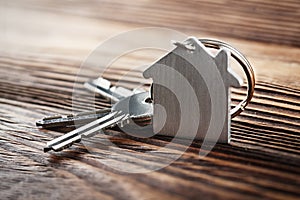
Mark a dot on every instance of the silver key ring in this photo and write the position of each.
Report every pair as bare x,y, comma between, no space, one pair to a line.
241,59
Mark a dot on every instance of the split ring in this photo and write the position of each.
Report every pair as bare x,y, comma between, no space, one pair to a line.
241,59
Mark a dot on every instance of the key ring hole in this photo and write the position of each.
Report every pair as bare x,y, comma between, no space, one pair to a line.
149,100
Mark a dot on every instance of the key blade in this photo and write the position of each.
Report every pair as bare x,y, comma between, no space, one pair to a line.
71,120
103,87
68,143
104,125
102,91
73,134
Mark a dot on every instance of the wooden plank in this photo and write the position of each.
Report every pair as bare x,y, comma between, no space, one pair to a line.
271,151
42,48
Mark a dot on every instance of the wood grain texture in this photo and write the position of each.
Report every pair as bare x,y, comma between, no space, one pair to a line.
42,46
267,21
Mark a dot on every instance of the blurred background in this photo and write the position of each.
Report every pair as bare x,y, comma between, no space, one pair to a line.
72,29
73,23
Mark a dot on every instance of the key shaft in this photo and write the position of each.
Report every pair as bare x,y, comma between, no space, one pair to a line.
71,120
87,130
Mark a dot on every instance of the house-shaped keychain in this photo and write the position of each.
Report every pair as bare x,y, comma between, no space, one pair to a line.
190,70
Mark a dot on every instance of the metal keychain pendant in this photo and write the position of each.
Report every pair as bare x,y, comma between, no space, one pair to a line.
190,70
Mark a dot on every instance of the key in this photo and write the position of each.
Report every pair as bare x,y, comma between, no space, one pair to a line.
103,87
136,106
59,121
100,86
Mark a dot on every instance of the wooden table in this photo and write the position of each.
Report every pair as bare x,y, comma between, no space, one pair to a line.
42,45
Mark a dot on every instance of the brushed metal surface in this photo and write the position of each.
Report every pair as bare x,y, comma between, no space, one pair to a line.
190,63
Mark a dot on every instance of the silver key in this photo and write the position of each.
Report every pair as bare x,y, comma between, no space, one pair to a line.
100,86
135,106
103,87
60,121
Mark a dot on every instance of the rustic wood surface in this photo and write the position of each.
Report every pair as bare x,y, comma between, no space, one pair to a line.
42,45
